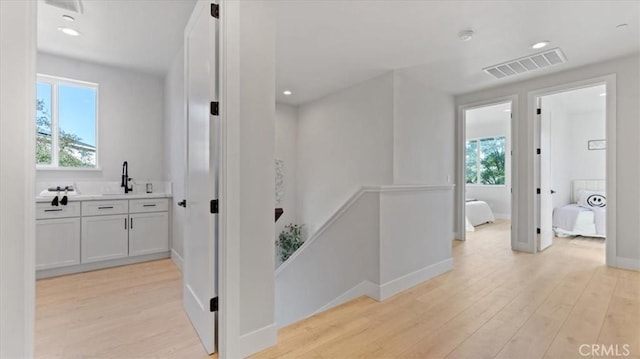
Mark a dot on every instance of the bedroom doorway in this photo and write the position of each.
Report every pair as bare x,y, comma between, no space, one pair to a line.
571,167
487,172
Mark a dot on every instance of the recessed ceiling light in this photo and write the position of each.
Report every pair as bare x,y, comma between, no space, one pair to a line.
603,94
287,92
68,18
466,35
507,110
539,45
69,31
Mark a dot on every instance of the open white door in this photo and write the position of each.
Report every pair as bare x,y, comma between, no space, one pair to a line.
545,223
200,261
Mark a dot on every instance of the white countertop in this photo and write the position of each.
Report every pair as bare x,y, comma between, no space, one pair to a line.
94,197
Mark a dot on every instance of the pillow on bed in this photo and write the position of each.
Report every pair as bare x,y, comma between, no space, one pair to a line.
592,199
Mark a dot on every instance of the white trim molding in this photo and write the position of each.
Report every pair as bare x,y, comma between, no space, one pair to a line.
395,286
177,259
257,340
460,198
609,81
628,263
18,31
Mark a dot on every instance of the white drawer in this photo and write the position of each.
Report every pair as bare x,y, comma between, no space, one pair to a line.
46,210
99,208
148,205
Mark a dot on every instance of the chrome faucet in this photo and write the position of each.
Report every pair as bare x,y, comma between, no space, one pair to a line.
125,178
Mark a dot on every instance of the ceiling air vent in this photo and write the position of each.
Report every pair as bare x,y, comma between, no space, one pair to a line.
525,64
69,5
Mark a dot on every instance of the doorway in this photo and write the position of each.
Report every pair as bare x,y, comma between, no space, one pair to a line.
487,205
571,167
110,287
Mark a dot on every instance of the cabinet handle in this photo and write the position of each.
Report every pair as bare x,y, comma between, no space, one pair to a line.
106,207
125,223
131,226
53,210
148,205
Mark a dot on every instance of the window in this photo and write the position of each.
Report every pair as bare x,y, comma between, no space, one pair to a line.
485,161
66,123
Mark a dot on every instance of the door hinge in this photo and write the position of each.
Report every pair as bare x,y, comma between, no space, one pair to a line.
539,111
214,206
214,108
215,10
537,151
213,304
537,190
538,230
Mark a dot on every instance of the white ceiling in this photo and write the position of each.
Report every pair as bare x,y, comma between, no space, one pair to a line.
325,46
579,101
143,35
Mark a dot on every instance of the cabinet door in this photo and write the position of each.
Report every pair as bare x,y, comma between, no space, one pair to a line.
148,233
57,242
104,238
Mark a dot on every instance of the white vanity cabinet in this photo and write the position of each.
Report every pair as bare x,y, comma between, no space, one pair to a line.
105,230
94,234
57,235
148,226
104,238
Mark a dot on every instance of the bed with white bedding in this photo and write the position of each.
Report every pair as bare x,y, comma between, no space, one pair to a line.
586,215
478,212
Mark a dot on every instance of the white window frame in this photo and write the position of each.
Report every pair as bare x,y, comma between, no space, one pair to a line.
55,81
478,183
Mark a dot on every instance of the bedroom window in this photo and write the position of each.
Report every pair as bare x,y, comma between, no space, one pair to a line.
66,123
485,161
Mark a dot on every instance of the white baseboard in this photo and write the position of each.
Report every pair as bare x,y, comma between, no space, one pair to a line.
85,267
389,289
407,281
176,258
502,215
258,340
522,247
628,263
364,288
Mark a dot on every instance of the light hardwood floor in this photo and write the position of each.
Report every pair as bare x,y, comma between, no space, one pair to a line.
125,312
494,303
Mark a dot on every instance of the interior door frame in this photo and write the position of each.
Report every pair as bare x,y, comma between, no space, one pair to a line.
229,185
461,132
610,82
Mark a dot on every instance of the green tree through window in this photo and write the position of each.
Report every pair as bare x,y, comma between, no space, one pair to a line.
485,161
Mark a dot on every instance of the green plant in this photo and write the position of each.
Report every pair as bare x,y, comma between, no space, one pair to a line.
289,240
69,154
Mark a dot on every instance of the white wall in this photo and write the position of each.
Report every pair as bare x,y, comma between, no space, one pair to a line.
17,161
175,152
627,148
286,150
478,125
587,164
423,125
345,141
383,240
130,119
